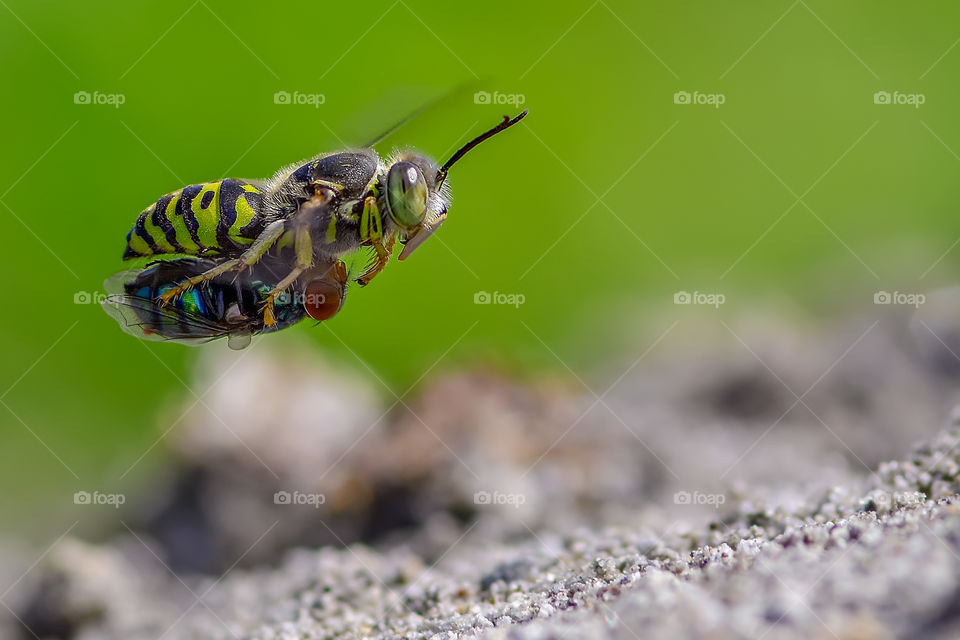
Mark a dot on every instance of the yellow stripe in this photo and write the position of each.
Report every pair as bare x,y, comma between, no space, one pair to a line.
157,234
139,245
245,214
180,226
207,219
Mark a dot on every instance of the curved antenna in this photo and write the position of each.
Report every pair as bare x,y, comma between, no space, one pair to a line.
506,124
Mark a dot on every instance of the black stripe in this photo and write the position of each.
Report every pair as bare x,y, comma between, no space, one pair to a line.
187,195
230,190
159,218
141,231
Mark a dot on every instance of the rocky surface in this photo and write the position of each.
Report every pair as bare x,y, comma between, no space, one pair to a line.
765,489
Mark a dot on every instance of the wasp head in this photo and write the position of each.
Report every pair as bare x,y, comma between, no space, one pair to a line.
417,194
415,201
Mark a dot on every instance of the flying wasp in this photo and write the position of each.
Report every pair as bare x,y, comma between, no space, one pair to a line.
308,216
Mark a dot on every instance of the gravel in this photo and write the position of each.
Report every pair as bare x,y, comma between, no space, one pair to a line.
722,500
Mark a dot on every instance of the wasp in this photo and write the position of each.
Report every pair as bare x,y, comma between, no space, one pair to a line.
223,306
308,216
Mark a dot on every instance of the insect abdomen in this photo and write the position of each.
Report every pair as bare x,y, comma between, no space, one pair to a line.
220,217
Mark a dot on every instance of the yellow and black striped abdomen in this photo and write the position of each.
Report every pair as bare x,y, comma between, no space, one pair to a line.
222,217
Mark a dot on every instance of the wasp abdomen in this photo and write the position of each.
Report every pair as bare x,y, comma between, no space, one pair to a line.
210,218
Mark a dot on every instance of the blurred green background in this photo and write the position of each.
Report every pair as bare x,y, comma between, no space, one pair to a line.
799,187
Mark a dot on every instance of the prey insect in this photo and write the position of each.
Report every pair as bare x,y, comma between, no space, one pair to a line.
224,306
308,216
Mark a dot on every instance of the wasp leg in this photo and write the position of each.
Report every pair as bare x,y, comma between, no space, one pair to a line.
371,231
383,256
250,257
303,246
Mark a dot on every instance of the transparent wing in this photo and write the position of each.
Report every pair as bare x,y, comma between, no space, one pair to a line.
145,319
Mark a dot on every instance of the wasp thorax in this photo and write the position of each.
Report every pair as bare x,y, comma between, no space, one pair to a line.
407,194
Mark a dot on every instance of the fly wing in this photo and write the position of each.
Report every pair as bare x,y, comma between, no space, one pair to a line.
146,319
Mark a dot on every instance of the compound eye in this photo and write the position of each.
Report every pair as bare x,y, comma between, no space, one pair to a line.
407,194
322,299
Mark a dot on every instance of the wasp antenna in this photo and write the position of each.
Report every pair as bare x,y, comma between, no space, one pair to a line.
506,124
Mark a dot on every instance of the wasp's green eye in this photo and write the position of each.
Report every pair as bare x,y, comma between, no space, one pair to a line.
406,194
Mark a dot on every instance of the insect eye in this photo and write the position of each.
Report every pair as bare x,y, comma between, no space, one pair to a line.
322,299
406,194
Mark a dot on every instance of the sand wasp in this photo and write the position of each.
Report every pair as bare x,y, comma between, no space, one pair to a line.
233,254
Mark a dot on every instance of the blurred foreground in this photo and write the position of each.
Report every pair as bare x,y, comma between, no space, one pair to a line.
743,490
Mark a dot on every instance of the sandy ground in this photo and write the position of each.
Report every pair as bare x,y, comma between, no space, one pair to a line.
796,483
